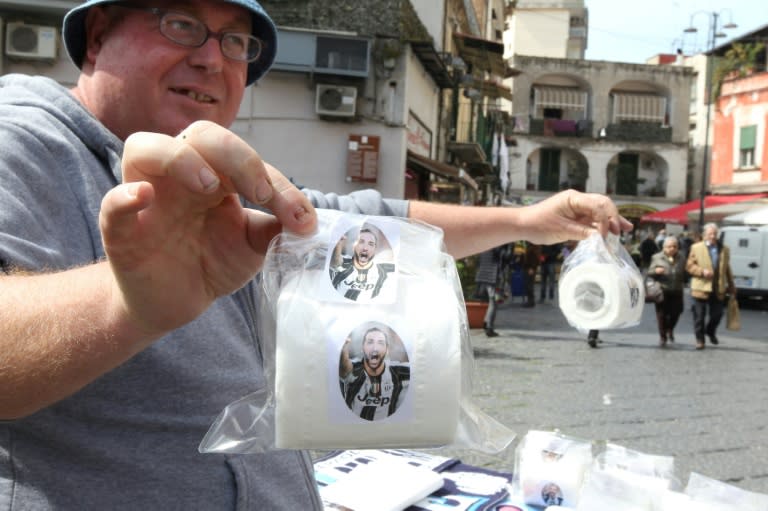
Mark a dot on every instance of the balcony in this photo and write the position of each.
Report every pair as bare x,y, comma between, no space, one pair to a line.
561,128
638,131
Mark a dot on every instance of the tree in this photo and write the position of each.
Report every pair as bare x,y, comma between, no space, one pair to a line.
739,61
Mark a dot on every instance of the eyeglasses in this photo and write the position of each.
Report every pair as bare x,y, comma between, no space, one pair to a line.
189,31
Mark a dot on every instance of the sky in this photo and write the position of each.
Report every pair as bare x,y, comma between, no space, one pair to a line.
634,30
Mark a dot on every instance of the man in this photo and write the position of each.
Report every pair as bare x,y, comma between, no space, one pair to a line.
709,264
550,255
128,313
531,260
358,278
373,387
648,247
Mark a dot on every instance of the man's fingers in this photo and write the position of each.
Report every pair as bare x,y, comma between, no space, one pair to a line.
250,176
157,156
120,208
601,211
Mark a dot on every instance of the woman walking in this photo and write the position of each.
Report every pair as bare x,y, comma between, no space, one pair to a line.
668,267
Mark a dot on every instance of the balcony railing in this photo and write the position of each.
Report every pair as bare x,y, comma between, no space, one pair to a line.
561,128
638,131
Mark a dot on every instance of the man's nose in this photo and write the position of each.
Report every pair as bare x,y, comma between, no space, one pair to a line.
208,56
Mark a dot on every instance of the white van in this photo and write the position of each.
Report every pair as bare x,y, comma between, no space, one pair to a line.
749,258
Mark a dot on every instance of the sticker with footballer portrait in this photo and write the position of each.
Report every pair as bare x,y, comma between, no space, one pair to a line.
362,260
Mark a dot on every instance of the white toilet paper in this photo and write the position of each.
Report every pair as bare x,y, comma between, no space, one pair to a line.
596,296
310,410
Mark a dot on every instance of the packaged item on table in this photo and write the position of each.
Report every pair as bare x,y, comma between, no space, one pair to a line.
550,468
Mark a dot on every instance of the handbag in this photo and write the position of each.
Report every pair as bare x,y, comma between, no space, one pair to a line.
732,315
653,291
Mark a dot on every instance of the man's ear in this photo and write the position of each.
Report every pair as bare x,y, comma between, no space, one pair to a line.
97,24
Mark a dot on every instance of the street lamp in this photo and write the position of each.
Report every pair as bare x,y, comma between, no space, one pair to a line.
715,32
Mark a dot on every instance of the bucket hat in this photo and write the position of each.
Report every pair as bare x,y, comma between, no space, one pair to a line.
73,32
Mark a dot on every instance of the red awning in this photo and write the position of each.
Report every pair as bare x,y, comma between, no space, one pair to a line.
679,214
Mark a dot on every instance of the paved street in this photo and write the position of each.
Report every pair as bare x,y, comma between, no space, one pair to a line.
708,409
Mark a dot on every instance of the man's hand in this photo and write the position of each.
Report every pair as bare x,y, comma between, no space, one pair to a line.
175,232
571,215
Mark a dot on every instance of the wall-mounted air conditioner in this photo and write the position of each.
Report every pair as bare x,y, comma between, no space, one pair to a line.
30,41
335,100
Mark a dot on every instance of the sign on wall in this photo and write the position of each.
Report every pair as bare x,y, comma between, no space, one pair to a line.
419,138
363,158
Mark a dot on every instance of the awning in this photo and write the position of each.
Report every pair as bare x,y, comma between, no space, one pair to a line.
560,97
679,214
422,163
483,54
491,89
732,210
756,216
639,107
433,62
469,152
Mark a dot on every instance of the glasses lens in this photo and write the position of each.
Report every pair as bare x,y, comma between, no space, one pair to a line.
183,29
241,47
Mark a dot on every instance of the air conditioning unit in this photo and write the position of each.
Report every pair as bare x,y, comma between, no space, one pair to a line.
30,41
335,100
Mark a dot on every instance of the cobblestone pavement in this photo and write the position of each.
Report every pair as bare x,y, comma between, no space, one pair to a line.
708,409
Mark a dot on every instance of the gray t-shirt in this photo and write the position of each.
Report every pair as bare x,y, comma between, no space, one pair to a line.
129,439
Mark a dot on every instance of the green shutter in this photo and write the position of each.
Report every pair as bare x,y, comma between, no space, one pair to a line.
748,137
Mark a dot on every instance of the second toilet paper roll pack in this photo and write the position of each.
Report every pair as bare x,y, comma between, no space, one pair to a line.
600,287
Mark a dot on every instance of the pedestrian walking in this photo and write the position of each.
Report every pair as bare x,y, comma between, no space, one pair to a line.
550,256
531,261
709,264
592,338
648,247
668,268
489,266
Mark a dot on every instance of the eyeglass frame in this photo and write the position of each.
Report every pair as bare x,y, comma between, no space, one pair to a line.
161,13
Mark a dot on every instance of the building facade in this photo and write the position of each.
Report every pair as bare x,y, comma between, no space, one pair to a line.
607,127
740,118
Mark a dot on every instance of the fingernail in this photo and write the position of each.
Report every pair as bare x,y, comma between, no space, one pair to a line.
208,179
132,189
302,215
263,190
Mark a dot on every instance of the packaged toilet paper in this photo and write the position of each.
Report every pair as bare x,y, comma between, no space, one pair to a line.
600,286
550,468
365,343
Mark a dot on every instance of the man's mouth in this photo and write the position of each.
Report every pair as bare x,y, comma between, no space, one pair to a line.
195,96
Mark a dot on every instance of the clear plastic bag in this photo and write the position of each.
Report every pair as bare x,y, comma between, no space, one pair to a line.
621,478
550,468
600,286
708,494
365,343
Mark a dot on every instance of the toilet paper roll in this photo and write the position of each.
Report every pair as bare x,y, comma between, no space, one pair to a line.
596,296
310,409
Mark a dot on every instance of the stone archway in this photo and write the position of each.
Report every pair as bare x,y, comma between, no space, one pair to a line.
552,168
637,173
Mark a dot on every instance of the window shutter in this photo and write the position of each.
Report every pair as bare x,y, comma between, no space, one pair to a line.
748,137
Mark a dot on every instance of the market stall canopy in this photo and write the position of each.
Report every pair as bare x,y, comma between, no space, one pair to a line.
756,216
679,214
719,213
